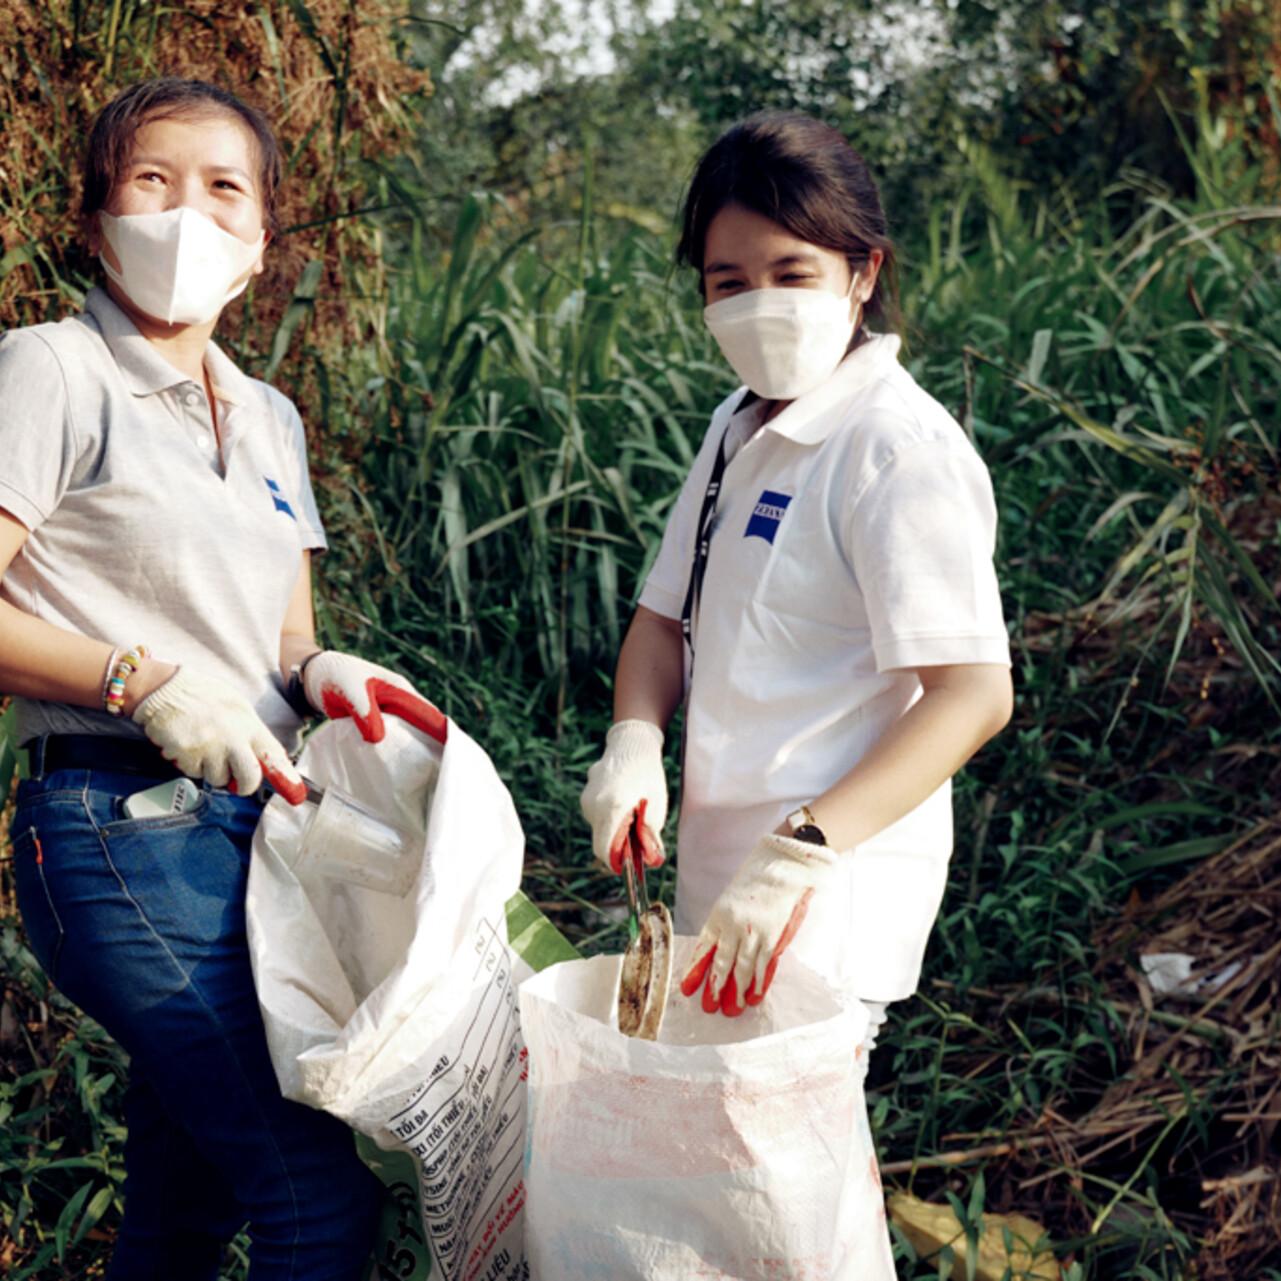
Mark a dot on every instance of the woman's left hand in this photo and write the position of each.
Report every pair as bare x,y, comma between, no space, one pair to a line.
344,685
754,920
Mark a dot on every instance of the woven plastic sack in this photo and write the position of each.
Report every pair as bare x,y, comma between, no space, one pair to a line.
398,1014
729,1148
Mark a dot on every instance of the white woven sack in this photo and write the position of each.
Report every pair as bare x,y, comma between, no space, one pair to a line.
730,1148
399,1014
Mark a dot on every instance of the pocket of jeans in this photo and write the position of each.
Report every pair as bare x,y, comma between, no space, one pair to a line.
185,872
39,913
121,824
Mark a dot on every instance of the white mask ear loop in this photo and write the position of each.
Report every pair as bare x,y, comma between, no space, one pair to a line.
856,275
857,335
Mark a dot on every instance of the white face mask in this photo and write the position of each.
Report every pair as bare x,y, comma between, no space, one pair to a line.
177,266
782,342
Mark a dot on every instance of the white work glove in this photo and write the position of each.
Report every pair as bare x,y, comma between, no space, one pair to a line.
754,920
210,731
627,783
344,685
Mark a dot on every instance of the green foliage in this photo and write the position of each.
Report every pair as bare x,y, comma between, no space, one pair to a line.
1123,386
1064,95
8,755
1160,345
61,1166
535,425
496,469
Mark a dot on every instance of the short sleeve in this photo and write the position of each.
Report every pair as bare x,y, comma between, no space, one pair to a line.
921,535
668,579
311,532
37,440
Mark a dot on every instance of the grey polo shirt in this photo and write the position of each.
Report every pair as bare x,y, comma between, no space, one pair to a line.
140,531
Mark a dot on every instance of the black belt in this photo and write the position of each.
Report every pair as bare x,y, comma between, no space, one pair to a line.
100,752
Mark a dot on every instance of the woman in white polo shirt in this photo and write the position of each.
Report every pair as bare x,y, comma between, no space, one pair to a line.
156,523
824,600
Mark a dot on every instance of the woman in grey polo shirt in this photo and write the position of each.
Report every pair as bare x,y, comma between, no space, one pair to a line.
156,524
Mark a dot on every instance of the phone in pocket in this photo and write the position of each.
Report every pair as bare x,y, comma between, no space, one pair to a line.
163,800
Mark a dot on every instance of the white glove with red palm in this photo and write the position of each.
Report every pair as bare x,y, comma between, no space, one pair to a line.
628,781
754,920
344,685
210,731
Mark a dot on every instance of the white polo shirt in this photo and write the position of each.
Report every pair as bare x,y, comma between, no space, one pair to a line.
853,542
140,532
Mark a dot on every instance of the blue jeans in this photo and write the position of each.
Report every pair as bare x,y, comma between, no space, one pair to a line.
141,923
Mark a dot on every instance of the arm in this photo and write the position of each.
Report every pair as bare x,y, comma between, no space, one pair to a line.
206,729
40,660
298,632
962,707
649,680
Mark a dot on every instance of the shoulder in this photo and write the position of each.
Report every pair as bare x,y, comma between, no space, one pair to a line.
276,407
27,354
895,418
897,412
55,347
721,416
278,404
55,373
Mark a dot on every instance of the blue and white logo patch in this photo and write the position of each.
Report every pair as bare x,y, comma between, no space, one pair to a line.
766,515
278,498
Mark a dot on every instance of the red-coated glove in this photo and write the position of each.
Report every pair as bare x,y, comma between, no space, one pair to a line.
344,685
627,785
754,920
295,792
210,731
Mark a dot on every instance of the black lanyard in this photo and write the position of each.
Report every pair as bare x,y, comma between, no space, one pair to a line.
707,516
702,545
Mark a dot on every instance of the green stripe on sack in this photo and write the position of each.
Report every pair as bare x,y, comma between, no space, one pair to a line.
533,937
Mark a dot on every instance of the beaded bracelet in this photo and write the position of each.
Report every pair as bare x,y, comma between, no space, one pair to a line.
107,674
129,663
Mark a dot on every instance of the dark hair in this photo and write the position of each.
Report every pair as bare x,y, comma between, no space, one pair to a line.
803,175
111,138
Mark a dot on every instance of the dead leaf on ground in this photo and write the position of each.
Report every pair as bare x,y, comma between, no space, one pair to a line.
1010,1245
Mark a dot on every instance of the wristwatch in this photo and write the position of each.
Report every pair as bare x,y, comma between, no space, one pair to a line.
295,693
805,828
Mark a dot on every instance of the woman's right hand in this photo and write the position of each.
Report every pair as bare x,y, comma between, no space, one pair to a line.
210,731
627,782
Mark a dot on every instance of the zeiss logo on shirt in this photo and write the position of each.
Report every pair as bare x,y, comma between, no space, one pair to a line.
279,499
766,515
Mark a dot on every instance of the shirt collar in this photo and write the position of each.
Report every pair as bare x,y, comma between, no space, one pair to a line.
807,420
228,383
145,370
